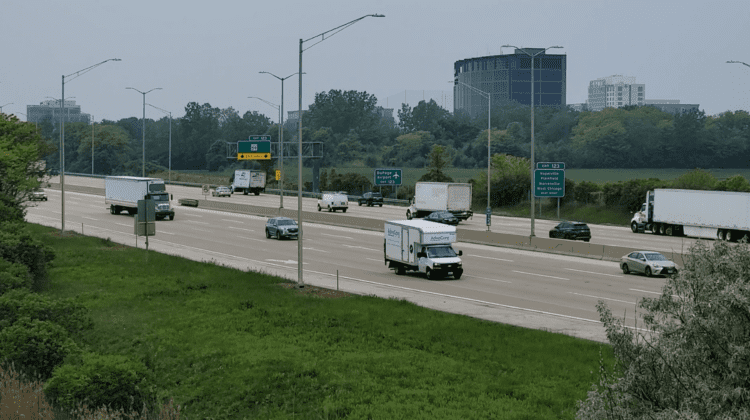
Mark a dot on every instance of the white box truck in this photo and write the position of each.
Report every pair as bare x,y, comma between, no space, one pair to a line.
123,192
423,246
247,181
441,196
703,214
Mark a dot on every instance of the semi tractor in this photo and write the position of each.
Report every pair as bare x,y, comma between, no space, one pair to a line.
703,214
421,246
123,192
247,181
441,196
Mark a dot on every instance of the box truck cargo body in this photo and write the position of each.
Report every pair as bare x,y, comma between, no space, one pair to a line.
423,246
246,181
441,196
703,214
123,192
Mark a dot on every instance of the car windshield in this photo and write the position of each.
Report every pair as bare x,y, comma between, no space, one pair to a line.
286,222
655,256
441,252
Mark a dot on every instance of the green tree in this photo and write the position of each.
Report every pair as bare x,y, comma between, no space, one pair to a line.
438,159
734,183
694,362
111,150
199,128
696,179
426,116
411,149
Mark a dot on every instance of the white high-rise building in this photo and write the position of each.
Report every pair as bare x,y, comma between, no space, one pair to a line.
615,91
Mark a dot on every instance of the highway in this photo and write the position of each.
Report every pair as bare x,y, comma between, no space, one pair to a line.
530,289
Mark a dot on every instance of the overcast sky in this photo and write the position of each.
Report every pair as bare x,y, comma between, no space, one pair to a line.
211,52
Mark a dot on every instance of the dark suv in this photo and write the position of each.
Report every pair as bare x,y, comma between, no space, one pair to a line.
571,230
371,199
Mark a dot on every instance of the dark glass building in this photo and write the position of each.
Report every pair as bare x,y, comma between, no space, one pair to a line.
508,78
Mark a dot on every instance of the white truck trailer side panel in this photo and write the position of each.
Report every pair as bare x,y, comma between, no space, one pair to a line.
431,196
125,190
714,209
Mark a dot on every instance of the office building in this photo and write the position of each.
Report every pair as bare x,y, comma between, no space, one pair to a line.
614,92
50,110
507,78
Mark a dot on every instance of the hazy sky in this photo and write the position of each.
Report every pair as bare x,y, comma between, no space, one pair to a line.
211,52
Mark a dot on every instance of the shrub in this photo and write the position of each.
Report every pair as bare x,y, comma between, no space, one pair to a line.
734,183
22,303
629,195
583,192
103,380
36,346
696,179
13,276
18,246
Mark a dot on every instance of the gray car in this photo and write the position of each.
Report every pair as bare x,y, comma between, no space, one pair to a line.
649,263
281,227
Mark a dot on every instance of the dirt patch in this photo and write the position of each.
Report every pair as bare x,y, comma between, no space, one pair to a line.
316,291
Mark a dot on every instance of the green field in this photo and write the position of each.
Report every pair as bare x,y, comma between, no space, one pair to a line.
228,344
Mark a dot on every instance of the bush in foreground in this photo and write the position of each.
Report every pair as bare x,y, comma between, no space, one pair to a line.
696,362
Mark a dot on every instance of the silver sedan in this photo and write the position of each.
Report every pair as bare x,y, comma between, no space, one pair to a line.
649,263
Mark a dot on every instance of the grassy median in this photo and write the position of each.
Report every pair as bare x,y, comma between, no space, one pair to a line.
228,344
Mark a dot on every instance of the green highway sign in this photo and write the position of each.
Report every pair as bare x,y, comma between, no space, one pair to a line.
255,148
550,165
549,183
387,177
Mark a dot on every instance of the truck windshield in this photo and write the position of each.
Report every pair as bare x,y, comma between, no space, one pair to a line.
441,252
160,197
156,188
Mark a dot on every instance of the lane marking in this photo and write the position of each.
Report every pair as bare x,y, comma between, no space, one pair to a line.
319,250
246,230
201,230
285,261
123,224
198,222
593,272
231,220
373,259
336,236
359,247
492,258
90,218
168,233
540,275
645,291
485,278
599,297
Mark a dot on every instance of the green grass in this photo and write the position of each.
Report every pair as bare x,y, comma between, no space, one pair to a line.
231,344
579,212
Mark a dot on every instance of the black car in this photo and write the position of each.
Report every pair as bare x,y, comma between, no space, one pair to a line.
444,217
371,199
280,227
571,230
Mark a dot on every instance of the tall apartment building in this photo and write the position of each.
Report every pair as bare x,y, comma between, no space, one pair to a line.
50,110
615,91
507,78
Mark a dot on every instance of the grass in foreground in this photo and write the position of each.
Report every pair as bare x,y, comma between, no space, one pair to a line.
231,344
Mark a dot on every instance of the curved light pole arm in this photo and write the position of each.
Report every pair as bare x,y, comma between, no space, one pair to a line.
738,62
334,30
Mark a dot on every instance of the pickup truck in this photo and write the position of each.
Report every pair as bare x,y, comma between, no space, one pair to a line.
371,199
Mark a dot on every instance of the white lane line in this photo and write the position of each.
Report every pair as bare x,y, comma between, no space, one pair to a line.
485,278
201,230
540,275
492,258
90,218
359,247
645,291
168,233
336,236
200,223
373,259
319,250
123,224
599,297
231,220
246,230
593,272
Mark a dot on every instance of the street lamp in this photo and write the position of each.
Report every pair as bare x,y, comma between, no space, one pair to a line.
738,62
489,158
170,138
281,137
62,135
1,107
143,166
281,158
533,56
322,36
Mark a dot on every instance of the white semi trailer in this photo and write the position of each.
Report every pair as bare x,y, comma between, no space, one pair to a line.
702,214
422,246
441,196
123,192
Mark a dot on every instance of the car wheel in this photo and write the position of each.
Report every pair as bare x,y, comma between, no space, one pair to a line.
647,271
408,215
330,209
171,217
625,269
318,207
278,235
268,235
429,274
634,227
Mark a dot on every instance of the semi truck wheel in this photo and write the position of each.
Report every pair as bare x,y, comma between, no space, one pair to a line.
408,215
729,235
634,227
257,193
655,229
400,270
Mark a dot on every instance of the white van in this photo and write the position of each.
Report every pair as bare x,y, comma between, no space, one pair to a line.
333,201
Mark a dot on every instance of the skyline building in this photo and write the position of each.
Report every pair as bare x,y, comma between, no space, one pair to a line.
615,91
50,110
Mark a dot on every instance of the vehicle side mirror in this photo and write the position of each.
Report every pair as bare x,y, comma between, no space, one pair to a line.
460,253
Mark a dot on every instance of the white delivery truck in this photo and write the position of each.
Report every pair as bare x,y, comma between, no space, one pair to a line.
123,192
441,196
703,214
423,246
247,181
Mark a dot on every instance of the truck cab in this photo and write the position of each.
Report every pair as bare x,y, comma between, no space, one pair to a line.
439,261
421,246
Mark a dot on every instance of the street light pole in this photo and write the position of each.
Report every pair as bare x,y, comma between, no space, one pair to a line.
489,147
278,108
143,166
330,33
531,190
1,107
62,136
281,138
170,138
